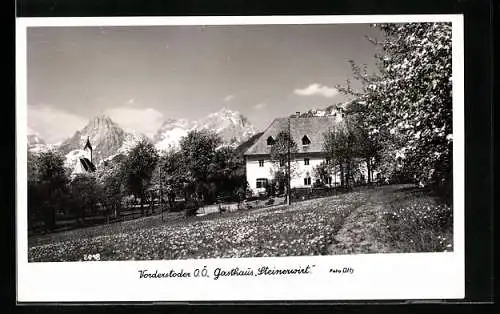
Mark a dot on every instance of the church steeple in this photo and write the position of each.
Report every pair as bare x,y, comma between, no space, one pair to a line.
89,148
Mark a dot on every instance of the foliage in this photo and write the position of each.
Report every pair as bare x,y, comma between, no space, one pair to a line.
171,175
85,193
283,151
211,170
282,147
408,103
110,176
322,172
47,186
138,168
191,208
341,144
198,151
278,183
228,172
49,169
270,201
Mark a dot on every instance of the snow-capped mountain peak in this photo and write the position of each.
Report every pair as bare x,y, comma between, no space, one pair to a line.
226,116
230,125
106,137
36,144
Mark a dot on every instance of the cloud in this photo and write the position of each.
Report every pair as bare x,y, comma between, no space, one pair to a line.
260,106
143,120
228,98
53,124
30,131
317,89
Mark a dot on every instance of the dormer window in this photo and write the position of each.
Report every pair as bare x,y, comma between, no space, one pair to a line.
305,140
270,141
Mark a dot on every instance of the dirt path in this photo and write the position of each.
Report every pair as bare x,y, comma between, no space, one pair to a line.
357,234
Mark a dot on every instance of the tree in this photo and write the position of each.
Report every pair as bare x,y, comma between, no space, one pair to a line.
111,177
47,186
171,176
198,151
85,194
35,197
282,155
341,146
367,146
138,169
227,172
409,99
370,150
322,172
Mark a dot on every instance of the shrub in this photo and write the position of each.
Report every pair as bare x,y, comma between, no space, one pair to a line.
191,208
178,206
270,201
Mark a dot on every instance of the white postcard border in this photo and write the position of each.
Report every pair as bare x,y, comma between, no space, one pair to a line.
375,276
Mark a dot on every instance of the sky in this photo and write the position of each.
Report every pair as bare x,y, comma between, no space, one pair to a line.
143,75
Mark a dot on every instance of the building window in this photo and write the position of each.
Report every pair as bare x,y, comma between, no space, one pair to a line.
329,180
327,161
306,161
261,163
307,181
270,141
282,162
261,183
305,140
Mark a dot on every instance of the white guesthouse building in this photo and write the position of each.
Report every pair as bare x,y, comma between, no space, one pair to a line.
307,133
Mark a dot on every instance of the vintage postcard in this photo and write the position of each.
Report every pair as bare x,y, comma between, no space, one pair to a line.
240,158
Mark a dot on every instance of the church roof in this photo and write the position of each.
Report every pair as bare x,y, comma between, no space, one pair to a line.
87,165
309,129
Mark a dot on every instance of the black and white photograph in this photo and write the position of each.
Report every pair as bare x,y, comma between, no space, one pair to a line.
194,142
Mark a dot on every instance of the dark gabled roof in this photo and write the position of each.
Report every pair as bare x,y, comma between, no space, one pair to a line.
87,144
87,165
243,147
312,127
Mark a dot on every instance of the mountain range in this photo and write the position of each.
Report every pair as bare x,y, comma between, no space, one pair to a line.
231,126
109,139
